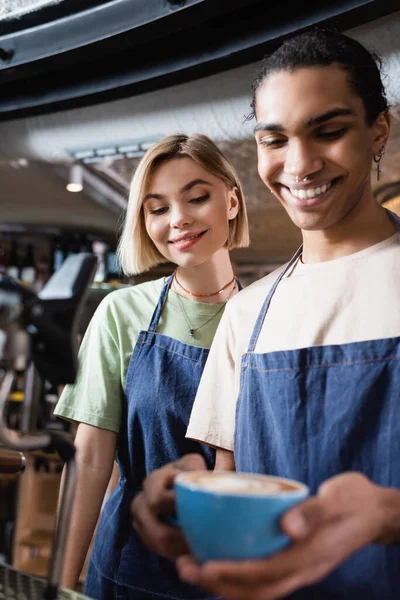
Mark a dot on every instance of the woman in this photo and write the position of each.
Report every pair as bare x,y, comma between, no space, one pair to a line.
307,386
143,355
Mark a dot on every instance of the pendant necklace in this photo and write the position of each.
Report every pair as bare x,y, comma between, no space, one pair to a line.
192,330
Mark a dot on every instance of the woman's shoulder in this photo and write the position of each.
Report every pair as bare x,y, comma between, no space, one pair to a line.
132,296
123,313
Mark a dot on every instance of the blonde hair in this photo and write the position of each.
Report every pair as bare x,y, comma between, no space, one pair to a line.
136,251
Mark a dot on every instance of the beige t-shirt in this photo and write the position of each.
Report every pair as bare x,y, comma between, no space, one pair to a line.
350,299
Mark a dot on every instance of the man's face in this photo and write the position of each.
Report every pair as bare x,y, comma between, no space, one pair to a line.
314,146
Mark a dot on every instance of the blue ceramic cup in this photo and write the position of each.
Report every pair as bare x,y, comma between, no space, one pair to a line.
234,516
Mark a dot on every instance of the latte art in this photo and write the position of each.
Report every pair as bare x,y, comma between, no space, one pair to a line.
236,483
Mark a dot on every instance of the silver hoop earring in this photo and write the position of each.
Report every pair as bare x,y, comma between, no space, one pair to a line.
377,160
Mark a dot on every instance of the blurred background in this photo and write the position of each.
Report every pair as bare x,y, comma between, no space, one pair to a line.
86,87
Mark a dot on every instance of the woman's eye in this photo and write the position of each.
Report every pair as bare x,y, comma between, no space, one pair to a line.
159,211
200,199
332,135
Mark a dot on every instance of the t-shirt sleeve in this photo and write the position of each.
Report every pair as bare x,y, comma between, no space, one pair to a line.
213,416
96,396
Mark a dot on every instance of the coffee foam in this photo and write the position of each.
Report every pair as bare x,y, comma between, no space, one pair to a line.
237,484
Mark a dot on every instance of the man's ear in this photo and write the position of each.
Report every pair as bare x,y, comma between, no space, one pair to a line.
381,132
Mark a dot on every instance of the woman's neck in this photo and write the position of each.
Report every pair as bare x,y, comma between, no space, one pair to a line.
364,226
207,278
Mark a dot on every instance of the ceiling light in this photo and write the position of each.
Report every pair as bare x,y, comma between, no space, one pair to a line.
125,149
75,179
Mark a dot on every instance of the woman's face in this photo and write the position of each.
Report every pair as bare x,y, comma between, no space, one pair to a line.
311,124
187,212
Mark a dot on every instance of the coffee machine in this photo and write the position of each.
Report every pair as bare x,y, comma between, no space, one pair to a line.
40,332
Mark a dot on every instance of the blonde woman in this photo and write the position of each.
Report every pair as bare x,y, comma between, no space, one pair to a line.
143,355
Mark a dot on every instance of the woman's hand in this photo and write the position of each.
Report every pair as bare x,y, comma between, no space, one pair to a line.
348,512
156,502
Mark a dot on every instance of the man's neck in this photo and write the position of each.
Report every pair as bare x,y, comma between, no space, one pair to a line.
363,227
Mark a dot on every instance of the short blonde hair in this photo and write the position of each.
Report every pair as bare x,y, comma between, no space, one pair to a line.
136,251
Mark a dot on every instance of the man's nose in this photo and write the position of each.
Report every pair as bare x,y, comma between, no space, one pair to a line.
302,160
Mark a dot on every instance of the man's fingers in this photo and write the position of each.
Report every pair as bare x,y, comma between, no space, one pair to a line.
299,522
188,568
158,485
337,498
219,582
302,564
311,514
161,538
251,591
158,493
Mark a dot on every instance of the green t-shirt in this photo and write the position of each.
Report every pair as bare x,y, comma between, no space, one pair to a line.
97,395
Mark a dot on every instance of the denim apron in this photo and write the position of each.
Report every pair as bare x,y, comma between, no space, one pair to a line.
162,380
312,413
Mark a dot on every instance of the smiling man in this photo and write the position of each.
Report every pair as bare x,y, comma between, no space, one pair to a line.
303,375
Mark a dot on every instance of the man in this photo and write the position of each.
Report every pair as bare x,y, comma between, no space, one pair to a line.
302,379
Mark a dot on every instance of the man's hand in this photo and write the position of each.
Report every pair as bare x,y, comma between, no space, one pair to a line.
157,501
348,512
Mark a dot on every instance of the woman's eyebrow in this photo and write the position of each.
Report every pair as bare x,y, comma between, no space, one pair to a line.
185,188
192,183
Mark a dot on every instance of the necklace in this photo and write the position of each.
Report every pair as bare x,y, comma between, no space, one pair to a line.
192,330
204,295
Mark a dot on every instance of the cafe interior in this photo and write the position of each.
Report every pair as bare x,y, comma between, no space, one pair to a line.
87,86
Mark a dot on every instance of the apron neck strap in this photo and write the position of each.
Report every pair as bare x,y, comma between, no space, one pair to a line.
267,301
395,218
261,317
160,305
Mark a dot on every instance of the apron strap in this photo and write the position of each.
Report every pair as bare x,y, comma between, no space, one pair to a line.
240,287
267,301
395,218
160,305
261,317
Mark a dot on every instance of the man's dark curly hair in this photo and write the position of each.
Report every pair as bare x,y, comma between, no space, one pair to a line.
323,47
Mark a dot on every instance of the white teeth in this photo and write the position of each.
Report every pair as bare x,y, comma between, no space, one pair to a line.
310,192
187,239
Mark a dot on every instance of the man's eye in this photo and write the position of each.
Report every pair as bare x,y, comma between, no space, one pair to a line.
159,211
271,143
332,135
200,199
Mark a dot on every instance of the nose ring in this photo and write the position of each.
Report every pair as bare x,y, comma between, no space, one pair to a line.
304,179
